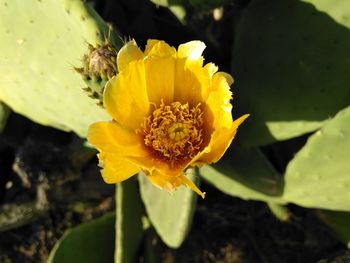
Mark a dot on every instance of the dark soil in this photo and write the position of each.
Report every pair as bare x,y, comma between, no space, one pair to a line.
51,168
228,229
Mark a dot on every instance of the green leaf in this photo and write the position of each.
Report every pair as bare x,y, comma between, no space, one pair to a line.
318,176
41,42
244,173
129,226
170,214
290,63
92,242
339,222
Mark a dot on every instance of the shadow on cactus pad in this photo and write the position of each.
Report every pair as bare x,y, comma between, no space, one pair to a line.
291,67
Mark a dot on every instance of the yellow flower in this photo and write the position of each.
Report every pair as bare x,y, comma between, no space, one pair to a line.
169,112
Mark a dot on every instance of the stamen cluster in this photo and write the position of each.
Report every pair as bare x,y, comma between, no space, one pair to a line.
174,131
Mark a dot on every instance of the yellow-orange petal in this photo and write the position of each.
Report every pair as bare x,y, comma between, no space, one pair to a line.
110,137
211,69
116,168
192,82
191,50
220,141
150,164
125,96
159,48
218,107
129,52
170,183
160,79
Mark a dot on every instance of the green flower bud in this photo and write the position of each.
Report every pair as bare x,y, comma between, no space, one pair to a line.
99,65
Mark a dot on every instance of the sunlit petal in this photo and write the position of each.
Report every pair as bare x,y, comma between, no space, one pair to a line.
125,97
191,50
220,141
171,183
129,52
113,138
115,168
160,79
159,48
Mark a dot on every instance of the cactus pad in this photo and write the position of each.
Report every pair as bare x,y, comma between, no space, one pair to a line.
41,42
318,176
170,214
291,67
339,222
244,173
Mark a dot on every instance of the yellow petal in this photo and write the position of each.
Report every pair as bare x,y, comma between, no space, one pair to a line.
218,107
159,48
191,50
218,115
150,164
211,69
125,97
192,82
170,183
220,141
112,138
116,168
160,78
129,52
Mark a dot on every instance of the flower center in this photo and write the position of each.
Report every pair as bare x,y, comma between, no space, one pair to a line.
174,131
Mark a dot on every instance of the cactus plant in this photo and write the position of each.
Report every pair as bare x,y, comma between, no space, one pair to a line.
91,242
129,226
39,50
339,222
290,65
170,214
245,173
318,176
291,74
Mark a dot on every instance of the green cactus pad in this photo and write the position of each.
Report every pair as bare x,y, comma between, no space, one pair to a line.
319,174
170,214
232,187
91,242
246,174
129,225
290,63
41,43
339,222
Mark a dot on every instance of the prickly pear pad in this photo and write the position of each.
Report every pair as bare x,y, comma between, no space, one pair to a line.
291,66
39,48
318,176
